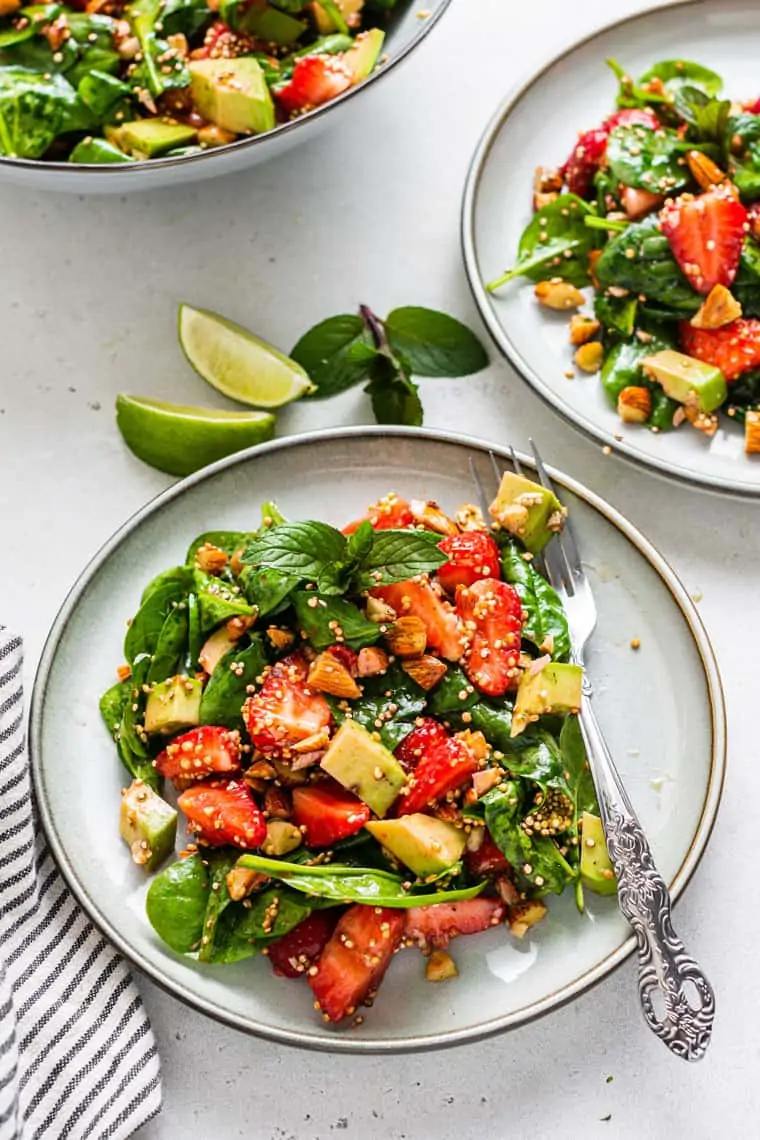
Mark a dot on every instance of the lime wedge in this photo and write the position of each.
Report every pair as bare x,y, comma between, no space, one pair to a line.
237,363
179,440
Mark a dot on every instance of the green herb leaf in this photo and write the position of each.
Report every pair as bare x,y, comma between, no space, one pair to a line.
434,343
545,616
396,712
227,689
328,353
397,555
504,807
555,243
301,549
707,117
649,269
677,73
218,864
176,903
321,618
650,160
242,931
395,397
360,543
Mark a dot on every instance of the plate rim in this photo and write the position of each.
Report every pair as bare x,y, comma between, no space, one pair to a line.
414,1042
719,485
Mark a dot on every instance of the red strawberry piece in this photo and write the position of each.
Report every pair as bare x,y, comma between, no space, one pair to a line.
325,813
293,954
441,764
205,751
752,108
420,599
222,813
223,42
487,861
637,202
706,235
734,348
587,157
347,657
492,616
436,925
632,116
285,711
355,959
753,217
472,556
316,79
389,513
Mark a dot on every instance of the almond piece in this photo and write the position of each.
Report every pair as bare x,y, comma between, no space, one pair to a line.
719,308
704,171
589,357
430,515
371,661
329,675
752,433
427,670
582,328
407,637
469,517
440,966
523,915
635,405
241,881
558,294
210,559
280,638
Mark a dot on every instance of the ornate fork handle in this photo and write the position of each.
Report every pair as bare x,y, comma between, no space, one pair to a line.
686,1010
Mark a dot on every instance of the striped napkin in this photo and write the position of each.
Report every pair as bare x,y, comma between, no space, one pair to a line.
77,1053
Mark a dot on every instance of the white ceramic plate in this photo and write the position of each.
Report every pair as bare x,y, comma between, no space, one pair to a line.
662,708
538,126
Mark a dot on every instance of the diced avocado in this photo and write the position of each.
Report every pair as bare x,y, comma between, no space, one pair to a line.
527,510
350,10
215,648
556,689
270,25
364,766
150,138
173,705
685,379
282,838
98,151
148,825
596,868
233,94
424,844
363,56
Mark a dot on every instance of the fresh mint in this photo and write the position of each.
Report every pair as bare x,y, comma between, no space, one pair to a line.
302,549
397,555
433,343
335,353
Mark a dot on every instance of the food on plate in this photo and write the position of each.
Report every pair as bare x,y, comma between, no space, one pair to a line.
125,82
657,209
370,735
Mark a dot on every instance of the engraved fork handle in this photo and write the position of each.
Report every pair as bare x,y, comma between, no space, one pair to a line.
685,1024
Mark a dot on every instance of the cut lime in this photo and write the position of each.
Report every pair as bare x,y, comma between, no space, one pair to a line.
179,440
237,363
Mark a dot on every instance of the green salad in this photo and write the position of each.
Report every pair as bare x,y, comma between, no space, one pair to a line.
370,736
103,81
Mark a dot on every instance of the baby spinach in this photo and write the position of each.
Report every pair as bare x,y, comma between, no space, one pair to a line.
145,628
537,861
321,618
555,243
495,722
35,108
227,689
186,17
112,704
171,646
176,903
622,366
227,540
94,150
218,602
617,315
745,390
647,159
219,862
676,73
396,713
640,259
179,575
545,617
663,410
453,694
579,781
537,757
151,73
744,166
267,590
243,930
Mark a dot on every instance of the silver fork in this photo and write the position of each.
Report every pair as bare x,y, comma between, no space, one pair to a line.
669,978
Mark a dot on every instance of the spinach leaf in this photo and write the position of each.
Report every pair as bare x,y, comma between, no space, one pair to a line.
453,694
153,74
555,243
394,395
650,160
745,390
324,619
177,574
663,411
35,108
176,903
744,166
218,863
617,315
495,722
187,17
267,590
137,766
194,633
622,367
536,861
344,884
397,555
640,259
101,93
545,617
334,354
302,549
631,94
227,540
396,713
227,689
707,117
539,759
218,602
242,931
579,781
33,19
145,628
434,343
93,35
676,73
112,704
171,646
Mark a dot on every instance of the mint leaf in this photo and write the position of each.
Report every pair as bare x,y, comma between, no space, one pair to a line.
303,549
434,343
326,620
398,555
360,542
394,395
336,353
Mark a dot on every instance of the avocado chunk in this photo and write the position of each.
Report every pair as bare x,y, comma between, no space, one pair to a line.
364,766
528,511
424,844
363,56
687,380
148,825
233,94
596,868
270,25
98,151
556,689
150,138
173,705
350,10
215,648
282,838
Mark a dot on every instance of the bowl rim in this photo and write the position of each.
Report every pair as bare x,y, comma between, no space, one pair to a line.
283,130
413,1042
659,467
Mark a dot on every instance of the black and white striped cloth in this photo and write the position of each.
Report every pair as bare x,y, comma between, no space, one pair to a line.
77,1053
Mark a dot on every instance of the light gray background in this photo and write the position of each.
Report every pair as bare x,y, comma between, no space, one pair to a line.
88,294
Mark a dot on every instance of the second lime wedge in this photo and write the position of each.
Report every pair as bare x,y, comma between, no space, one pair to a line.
179,439
237,363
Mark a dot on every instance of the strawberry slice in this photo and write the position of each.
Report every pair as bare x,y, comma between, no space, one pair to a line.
326,813
587,157
472,556
222,813
205,751
440,764
488,861
734,348
316,79
418,597
355,959
436,925
293,954
492,616
706,235
388,513
632,116
285,711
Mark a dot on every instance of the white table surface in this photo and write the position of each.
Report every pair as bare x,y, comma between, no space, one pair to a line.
368,214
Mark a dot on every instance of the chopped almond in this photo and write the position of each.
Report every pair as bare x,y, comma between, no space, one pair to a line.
719,308
210,559
483,781
371,661
430,515
470,517
635,404
558,294
589,357
704,171
241,881
525,914
637,202
407,637
582,328
280,638
706,422
752,433
427,670
440,966
329,675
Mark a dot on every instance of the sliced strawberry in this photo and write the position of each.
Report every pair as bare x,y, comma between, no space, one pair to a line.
285,711
637,202
752,108
587,157
223,813
706,235
388,513
326,813
734,348
632,116
472,556
347,657
441,764
205,751
436,925
492,615
753,216
487,861
419,598
223,42
355,959
293,954
316,79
